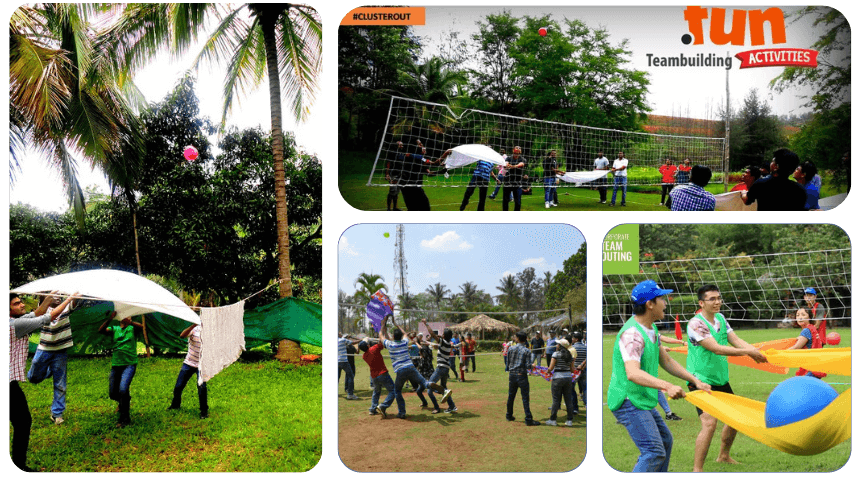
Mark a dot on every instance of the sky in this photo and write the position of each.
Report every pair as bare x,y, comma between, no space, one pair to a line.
453,254
658,31
40,186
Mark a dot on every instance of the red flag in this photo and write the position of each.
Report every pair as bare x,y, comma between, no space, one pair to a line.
678,332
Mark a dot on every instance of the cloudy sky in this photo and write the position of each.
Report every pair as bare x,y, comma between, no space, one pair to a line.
453,254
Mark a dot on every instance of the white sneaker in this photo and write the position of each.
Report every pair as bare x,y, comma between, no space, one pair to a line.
552,423
57,420
547,204
553,204
568,423
446,395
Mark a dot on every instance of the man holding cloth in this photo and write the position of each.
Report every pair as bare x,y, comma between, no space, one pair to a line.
633,387
710,340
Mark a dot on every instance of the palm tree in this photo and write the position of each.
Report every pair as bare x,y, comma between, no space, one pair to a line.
437,293
469,293
407,301
66,99
368,284
278,42
431,81
510,295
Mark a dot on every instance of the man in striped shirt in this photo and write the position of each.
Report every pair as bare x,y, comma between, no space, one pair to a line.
190,367
481,181
344,366
440,375
402,364
51,359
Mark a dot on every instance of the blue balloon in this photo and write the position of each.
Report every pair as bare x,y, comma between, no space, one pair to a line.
796,399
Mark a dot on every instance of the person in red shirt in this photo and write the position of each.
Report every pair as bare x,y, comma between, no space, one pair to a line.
378,373
751,174
473,345
668,170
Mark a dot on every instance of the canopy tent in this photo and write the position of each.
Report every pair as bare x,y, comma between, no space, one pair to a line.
467,154
482,323
130,294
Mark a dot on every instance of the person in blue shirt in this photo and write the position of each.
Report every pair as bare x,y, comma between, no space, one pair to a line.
805,175
481,181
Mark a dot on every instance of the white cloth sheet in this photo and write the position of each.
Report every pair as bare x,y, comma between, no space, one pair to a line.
223,338
583,177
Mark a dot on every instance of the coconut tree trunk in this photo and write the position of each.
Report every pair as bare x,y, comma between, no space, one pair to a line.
288,350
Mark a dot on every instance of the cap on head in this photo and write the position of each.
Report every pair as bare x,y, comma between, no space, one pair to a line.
810,290
647,290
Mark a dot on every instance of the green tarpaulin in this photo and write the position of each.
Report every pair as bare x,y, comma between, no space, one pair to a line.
288,318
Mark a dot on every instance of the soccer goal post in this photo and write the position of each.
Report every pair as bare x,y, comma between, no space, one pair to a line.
439,127
755,288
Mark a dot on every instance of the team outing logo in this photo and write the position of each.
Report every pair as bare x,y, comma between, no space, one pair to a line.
756,20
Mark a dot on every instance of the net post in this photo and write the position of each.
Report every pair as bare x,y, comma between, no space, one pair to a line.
381,142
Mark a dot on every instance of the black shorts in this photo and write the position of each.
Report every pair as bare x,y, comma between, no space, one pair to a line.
726,388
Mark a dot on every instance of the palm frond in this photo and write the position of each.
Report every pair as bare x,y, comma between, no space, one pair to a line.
247,67
299,58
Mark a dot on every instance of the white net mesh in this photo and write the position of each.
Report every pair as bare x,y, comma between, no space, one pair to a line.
439,128
755,288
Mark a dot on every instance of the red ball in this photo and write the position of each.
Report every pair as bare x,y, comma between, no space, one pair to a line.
542,31
190,153
833,338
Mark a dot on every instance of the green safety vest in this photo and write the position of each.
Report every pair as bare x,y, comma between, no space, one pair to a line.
704,364
643,398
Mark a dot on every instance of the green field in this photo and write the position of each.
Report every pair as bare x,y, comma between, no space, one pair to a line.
621,453
475,439
265,416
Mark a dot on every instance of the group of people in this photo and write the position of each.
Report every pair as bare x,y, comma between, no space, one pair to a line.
51,319
565,355
406,171
635,386
619,174
774,190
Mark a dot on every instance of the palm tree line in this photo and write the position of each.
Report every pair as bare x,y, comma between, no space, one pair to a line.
515,292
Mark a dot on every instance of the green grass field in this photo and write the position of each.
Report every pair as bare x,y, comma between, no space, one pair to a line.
354,171
621,453
475,439
264,417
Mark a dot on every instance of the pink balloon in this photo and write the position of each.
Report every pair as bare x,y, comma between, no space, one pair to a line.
190,153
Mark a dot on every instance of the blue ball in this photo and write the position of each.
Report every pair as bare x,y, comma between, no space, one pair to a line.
796,399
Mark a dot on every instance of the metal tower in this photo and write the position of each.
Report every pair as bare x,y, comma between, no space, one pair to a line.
400,284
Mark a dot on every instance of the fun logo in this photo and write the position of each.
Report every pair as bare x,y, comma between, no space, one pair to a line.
756,19
695,17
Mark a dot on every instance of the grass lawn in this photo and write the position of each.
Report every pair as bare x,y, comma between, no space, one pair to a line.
354,171
264,417
621,453
475,439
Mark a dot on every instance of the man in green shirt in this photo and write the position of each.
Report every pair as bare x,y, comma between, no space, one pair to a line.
123,363
632,394
710,341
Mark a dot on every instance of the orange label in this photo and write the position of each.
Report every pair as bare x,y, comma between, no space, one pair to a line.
385,16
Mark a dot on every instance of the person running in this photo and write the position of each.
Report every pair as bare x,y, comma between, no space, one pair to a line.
123,363
21,325
379,375
562,369
633,386
190,367
710,341
51,359
403,368
440,375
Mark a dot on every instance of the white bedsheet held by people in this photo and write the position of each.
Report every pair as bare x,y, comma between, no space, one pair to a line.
579,178
222,338
468,154
131,294
732,202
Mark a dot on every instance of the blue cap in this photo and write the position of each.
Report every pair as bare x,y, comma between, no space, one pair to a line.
810,290
647,290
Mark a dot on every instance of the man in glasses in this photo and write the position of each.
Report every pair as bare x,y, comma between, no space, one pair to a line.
710,341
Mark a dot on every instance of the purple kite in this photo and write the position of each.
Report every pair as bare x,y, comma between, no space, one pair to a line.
378,308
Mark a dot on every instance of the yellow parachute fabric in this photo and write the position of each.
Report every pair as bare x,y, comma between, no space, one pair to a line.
748,362
835,361
809,436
